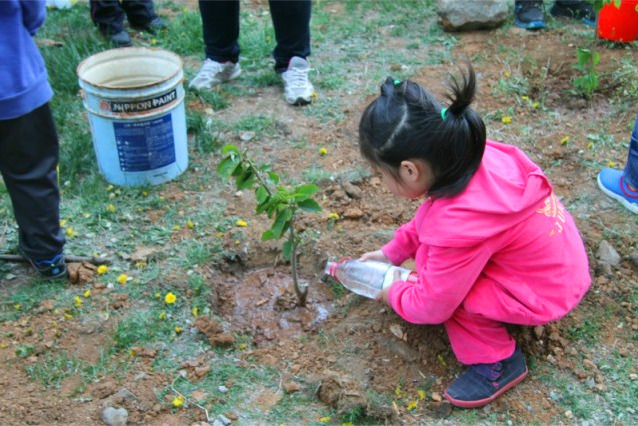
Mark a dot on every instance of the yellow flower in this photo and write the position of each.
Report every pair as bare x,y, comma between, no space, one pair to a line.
101,270
333,216
590,145
153,41
241,346
219,234
78,301
525,98
347,424
195,312
141,264
241,223
132,352
87,294
507,119
109,188
162,315
190,224
176,228
157,295
323,151
63,223
122,279
111,208
325,419
17,306
506,74
178,330
535,105
144,194
314,96
611,164
68,316
412,405
161,198
70,232
421,393
564,140
170,298
86,215
178,401
397,391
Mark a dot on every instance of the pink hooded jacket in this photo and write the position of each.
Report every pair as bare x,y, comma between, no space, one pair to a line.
505,248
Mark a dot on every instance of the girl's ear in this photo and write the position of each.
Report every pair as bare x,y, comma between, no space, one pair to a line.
409,171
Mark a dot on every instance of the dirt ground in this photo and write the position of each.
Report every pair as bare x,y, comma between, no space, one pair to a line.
345,346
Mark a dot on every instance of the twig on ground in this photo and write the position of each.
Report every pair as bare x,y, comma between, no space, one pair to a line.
208,419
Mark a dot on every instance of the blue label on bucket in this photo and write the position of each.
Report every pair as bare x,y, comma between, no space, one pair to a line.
145,145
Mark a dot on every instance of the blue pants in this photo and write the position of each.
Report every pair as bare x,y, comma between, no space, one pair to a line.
631,169
28,161
291,20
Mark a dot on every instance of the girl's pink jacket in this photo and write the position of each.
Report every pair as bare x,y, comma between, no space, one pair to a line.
505,248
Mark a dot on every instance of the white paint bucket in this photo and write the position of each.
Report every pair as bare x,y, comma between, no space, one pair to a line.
135,102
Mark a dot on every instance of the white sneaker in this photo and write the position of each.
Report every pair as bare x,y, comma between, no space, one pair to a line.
298,90
213,73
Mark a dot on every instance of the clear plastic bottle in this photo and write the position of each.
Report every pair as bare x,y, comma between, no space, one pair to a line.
366,278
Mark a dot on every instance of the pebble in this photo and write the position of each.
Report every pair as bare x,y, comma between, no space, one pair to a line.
115,416
225,420
436,397
569,414
633,376
222,389
607,253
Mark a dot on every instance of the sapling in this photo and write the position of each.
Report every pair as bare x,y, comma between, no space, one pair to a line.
278,202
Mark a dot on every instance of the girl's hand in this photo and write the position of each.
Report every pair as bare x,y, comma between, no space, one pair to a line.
383,294
375,255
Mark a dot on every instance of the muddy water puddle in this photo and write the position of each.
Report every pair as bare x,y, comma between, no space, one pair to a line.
263,302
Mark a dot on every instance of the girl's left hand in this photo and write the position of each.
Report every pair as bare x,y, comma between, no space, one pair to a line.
383,294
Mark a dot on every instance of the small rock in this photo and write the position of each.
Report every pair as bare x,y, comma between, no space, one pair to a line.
436,397
600,387
606,253
291,387
353,213
246,136
125,395
634,259
604,269
225,420
222,389
589,364
569,414
222,340
353,191
140,376
231,415
633,376
115,416
538,331
217,423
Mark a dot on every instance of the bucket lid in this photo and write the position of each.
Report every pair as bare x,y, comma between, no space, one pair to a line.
129,67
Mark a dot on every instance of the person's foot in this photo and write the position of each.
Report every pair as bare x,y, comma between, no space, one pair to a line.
576,9
298,89
51,269
612,183
481,384
156,24
528,14
213,73
121,39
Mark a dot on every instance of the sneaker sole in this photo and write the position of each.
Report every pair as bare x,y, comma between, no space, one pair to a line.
232,77
534,25
480,402
300,101
629,206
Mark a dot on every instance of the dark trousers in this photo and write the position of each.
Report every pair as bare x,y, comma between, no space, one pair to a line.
291,21
631,169
28,160
108,15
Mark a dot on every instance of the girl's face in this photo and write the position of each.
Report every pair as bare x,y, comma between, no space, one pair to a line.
415,179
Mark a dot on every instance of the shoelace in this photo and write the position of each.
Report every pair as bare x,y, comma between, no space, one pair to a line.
298,77
527,5
209,70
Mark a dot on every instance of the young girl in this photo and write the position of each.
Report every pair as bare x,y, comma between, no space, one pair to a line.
491,242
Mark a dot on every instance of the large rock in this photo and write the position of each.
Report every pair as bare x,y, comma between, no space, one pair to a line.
606,253
462,15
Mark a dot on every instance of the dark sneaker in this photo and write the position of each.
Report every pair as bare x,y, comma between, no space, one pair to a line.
576,9
51,268
155,25
528,14
483,383
121,39
612,183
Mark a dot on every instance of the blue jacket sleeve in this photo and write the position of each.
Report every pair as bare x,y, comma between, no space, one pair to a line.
33,14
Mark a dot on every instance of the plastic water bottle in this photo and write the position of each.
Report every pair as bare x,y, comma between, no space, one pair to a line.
366,278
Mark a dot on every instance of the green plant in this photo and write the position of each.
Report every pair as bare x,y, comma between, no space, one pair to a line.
276,201
587,83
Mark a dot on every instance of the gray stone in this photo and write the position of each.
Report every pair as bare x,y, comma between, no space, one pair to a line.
222,389
458,15
115,416
606,253
353,191
217,423
634,259
225,420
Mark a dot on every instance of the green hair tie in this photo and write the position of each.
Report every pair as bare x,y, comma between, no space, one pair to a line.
443,111
397,82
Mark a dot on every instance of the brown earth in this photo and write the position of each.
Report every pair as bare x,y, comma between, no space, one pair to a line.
343,347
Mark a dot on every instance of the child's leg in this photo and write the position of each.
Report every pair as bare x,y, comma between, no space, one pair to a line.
496,364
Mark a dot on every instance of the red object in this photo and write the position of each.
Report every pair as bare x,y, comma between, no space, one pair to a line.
619,24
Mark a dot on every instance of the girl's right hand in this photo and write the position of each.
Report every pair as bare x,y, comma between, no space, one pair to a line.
375,255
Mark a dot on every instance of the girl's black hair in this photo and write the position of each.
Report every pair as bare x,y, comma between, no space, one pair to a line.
406,122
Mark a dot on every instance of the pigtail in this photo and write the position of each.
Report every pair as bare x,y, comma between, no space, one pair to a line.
461,94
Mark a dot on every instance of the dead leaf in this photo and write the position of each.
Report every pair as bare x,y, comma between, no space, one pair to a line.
143,254
397,331
47,42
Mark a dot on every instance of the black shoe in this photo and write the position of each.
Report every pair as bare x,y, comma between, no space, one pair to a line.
156,24
483,383
52,269
528,14
576,9
121,39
